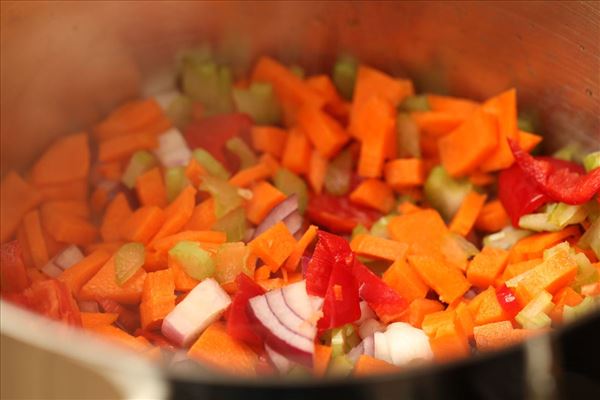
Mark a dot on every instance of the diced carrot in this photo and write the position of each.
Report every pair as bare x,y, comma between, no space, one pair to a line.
156,261
367,365
103,285
401,277
292,262
321,359
479,178
111,171
533,246
406,207
378,125
464,149
183,282
317,169
194,171
142,225
326,134
262,273
129,118
178,213
99,199
74,190
274,245
564,297
52,245
264,197
465,319
498,335
269,139
116,213
203,217
504,108
250,175
418,309
68,228
66,160
486,266
22,239
121,147
454,105
150,188
448,282
375,194
270,162
404,172
528,141
218,349
17,197
167,242
80,273
35,238
467,214
436,123
109,247
335,104
492,217
488,309
424,231
434,321
296,152
120,337
449,343
271,284
77,208
95,319
378,247
518,268
158,298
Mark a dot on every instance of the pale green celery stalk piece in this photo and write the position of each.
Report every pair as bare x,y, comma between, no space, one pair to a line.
338,347
525,122
340,366
179,111
289,183
234,224
591,238
359,230
534,315
570,152
209,84
298,71
210,164
344,75
194,260
591,161
586,272
242,151
337,176
128,260
258,101
227,197
230,260
565,214
415,103
407,141
506,238
140,162
175,181
380,227
588,305
445,193
538,222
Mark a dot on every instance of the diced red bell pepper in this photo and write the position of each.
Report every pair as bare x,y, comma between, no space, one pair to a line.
385,301
518,194
561,182
329,250
53,299
13,274
238,323
338,214
508,300
128,319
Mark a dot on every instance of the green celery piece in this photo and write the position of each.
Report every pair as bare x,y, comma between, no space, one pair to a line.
298,71
415,103
527,122
558,249
344,74
591,161
591,238
570,152
227,197
445,193
258,101
210,164
241,150
534,315
231,260
140,162
337,176
586,272
179,111
380,227
359,229
539,222
506,238
209,84
175,181
128,260
289,183
407,141
343,339
299,372
194,260
588,305
234,224
565,214
340,366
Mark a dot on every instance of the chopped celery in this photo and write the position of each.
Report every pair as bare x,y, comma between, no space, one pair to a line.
591,238
565,214
298,71
415,103
231,260
514,281
591,161
559,249
538,222
128,260
234,224
226,195
534,315
445,193
210,164
289,183
380,227
343,339
344,74
140,162
588,305
407,140
175,181
194,260
259,102
359,229
506,238
340,366
179,111
527,122
586,272
239,148
297,371
209,84
337,176
570,152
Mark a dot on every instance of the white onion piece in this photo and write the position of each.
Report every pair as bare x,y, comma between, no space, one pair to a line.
381,349
173,150
68,257
293,222
365,312
369,327
406,344
369,346
282,364
278,213
51,270
201,307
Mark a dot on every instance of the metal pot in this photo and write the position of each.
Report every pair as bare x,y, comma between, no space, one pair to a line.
64,65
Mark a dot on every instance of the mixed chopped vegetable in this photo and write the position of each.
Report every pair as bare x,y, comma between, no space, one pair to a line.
318,225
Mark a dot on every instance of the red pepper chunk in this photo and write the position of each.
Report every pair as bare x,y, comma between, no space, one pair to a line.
518,194
330,249
338,214
508,300
238,322
341,303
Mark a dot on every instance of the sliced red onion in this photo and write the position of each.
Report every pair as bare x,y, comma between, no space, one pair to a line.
294,222
288,317
278,213
300,303
201,307
406,344
173,150
282,364
369,327
88,306
369,346
365,312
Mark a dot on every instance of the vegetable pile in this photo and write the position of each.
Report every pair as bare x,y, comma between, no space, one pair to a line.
320,225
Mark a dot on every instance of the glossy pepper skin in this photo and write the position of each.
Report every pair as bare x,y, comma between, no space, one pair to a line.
508,300
238,322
